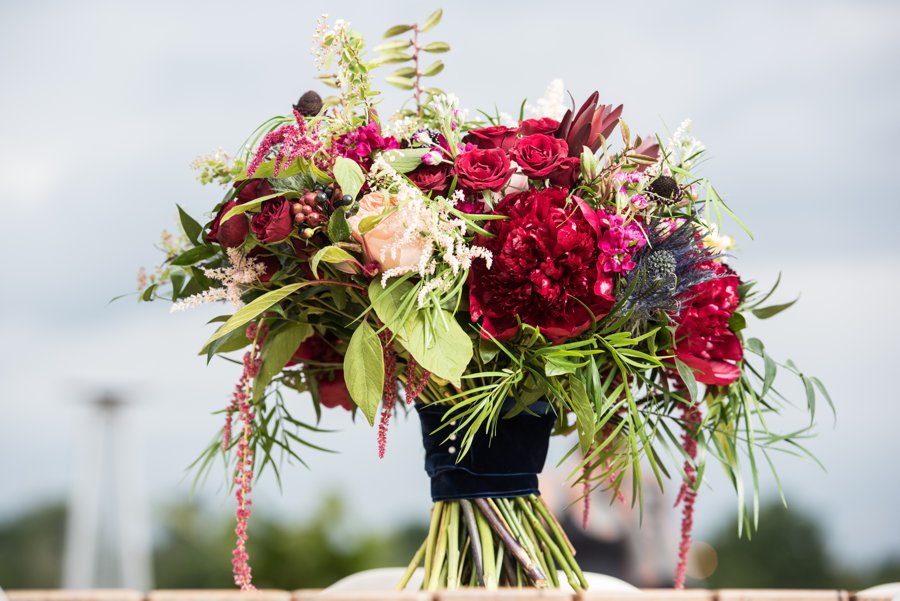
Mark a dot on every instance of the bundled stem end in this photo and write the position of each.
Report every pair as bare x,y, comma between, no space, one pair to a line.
493,543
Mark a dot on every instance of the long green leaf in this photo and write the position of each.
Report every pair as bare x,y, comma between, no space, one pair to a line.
364,370
255,308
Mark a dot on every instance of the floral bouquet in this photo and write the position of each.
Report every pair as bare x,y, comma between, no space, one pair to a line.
509,279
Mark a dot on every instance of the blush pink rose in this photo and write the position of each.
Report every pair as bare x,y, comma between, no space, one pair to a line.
379,242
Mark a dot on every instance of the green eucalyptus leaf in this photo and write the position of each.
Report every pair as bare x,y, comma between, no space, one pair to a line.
400,82
443,348
338,227
687,376
233,341
393,46
585,418
364,370
329,254
772,310
348,175
433,69
189,225
432,20
397,30
254,309
391,58
147,294
369,223
437,47
278,349
195,255
404,72
406,159
249,206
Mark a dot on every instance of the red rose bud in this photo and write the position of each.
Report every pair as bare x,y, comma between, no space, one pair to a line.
435,178
483,169
545,125
566,173
539,155
497,136
251,189
231,233
274,223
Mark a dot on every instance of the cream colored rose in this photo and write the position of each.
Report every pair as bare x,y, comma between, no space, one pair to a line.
380,243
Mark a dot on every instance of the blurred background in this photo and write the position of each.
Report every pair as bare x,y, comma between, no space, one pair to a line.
104,405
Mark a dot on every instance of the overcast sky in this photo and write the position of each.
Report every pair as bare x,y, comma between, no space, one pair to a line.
105,104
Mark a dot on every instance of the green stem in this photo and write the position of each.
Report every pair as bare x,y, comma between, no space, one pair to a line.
542,508
484,505
411,568
453,547
548,540
438,569
436,511
472,529
487,551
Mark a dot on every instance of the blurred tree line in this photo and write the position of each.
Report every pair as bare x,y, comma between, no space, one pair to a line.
193,550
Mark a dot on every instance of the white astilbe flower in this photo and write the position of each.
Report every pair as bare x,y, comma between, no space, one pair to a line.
235,278
552,104
429,222
682,146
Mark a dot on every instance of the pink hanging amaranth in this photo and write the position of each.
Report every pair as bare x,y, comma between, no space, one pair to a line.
293,139
586,489
414,386
390,391
688,493
243,478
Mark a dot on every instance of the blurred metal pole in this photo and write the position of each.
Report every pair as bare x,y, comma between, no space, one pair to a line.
107,536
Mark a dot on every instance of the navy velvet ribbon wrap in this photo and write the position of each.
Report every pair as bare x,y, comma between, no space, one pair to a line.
503,465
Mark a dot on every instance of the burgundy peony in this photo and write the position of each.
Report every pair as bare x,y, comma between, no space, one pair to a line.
539,155
483,170
332,388
703,339
274,223
544,267
545,125
232,232
497,136
434,178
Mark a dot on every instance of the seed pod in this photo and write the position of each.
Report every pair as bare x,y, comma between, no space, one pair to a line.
309,104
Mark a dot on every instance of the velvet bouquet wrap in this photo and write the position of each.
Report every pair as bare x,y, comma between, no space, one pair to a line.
509,278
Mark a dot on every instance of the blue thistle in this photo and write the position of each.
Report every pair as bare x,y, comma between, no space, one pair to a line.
665,269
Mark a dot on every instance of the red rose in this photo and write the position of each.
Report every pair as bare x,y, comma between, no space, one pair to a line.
231,233
567,173
330,386
496,136
435,178
539,155
274,223
252,189
483,169
544,268
703,339
545,125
